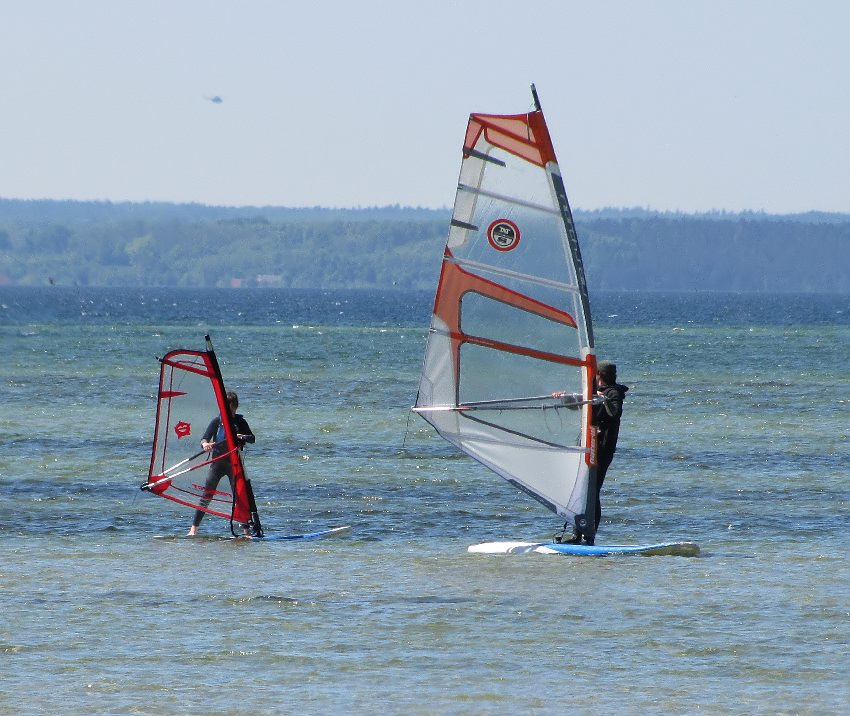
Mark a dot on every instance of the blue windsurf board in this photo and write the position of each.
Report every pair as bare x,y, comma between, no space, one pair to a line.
307,535
265,538
680,549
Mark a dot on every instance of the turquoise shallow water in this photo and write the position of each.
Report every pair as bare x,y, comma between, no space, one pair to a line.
735,436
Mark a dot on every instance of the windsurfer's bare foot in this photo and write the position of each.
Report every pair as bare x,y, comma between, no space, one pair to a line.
193,530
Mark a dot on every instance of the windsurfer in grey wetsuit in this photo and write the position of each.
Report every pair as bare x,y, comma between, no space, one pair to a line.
213,441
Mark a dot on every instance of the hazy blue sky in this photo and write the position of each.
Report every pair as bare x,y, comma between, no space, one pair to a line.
687,105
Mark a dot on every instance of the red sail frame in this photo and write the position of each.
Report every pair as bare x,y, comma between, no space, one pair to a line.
191,393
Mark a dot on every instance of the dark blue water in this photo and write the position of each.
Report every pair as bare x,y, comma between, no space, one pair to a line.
95,306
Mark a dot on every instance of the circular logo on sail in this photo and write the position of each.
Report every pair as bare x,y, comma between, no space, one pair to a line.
503,235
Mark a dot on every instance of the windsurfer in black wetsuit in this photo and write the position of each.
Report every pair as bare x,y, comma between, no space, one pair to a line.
213,441
606,417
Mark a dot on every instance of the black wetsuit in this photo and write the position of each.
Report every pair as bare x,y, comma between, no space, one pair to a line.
606,417
220,468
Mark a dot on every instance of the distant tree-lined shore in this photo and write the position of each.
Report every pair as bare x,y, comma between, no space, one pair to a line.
161,244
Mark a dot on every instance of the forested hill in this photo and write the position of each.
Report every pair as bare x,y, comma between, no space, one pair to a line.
160,244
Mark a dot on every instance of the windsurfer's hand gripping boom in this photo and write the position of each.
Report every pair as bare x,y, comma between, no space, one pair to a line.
240,441
574,400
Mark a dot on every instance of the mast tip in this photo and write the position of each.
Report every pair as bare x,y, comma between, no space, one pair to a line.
536,98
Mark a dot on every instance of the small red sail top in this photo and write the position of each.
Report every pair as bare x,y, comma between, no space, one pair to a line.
191,400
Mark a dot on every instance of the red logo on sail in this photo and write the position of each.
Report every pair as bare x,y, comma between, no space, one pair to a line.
503,235
182,429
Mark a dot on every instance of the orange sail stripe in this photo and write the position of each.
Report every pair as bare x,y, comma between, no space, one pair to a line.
455,281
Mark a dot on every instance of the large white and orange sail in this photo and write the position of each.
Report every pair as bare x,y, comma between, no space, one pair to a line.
511,322
191,394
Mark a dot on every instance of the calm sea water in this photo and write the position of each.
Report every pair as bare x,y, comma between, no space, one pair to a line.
735,436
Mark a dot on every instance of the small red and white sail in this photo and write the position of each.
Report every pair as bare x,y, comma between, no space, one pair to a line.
191,395
511,322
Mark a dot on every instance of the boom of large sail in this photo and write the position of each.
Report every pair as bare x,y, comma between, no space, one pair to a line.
511,323
191,395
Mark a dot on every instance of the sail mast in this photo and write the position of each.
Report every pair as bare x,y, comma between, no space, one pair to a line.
572,235
537,106
243,492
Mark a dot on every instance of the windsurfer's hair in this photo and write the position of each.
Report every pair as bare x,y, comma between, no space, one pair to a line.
232,398
607,370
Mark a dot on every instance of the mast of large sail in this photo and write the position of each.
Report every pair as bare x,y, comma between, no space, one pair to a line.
572,235
511,322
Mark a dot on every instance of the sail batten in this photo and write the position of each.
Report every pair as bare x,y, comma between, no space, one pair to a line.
511,320
496,271
518,350
464,225
484,157
493,195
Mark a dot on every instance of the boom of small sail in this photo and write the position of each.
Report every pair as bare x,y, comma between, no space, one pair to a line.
509,363
191,394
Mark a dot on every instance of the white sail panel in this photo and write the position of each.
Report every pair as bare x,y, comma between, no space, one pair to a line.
511,322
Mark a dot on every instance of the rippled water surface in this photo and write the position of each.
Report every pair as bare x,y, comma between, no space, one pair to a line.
735,436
